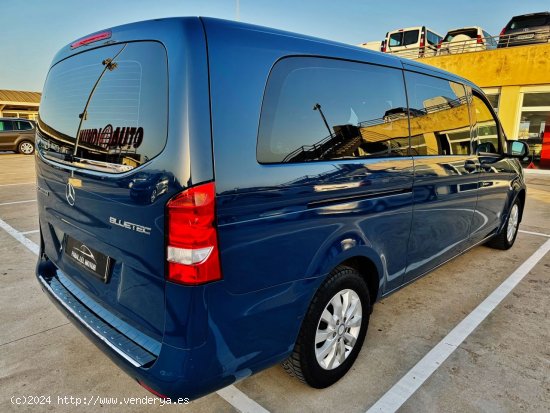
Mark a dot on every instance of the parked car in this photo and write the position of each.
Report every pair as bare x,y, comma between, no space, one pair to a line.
263,248
17,135
526,29
412,42
466,39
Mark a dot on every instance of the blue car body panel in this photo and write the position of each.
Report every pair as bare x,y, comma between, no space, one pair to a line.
211,335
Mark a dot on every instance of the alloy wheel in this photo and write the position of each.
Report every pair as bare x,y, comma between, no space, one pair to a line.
512,223
338,329
26,148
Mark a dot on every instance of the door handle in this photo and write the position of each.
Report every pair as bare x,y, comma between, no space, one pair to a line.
471,166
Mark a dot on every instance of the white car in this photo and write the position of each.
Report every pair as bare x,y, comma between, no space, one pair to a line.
466,39
374,45
413,42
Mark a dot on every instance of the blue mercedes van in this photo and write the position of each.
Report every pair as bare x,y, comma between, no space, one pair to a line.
215,197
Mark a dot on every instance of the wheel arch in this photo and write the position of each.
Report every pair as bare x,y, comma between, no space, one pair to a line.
369,272
521,196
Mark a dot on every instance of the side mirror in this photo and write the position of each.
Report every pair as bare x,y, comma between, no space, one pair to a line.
517,149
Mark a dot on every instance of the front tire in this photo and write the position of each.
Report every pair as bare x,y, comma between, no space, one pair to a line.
333,330
508,233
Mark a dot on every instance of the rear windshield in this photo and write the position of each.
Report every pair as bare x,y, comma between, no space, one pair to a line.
114,99
529,21
471,33
404,38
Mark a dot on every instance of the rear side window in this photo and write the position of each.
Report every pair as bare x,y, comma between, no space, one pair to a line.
322,109
440,122
489,39
433,38
106,109
404,38
22,125
6,125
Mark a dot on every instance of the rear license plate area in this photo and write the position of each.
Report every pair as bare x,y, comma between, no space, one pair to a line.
525,36
93,261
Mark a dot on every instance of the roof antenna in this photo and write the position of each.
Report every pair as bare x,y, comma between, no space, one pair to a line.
237,10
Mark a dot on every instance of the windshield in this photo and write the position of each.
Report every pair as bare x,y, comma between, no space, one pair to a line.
404,38
106,109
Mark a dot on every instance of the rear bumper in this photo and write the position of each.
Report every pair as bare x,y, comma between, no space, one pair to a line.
173,372
122,344
537,39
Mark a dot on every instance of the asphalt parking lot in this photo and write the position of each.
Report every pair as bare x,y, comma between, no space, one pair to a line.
503,365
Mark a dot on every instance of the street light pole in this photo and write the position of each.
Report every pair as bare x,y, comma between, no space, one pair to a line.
318,107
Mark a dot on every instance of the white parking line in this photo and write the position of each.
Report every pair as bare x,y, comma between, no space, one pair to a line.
540,234
34,231
230,394
21,183
411,382
19,237
18,202
240,401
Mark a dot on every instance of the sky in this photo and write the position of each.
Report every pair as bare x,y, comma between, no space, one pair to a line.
34,30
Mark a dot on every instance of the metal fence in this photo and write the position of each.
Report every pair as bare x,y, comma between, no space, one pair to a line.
474,45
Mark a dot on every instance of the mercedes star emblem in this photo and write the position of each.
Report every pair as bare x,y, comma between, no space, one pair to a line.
69,194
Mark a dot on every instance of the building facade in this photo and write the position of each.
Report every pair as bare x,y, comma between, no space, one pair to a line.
19,104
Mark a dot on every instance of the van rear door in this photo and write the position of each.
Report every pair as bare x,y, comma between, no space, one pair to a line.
404,42
103,121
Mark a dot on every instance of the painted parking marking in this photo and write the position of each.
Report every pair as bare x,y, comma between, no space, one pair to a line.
415,377
18,202
230,394
540,234
34,231
240,401
31,246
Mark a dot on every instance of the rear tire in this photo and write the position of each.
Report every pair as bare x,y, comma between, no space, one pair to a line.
25,148
333,330
509,231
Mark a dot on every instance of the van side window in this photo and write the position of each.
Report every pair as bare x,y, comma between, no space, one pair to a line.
440,123
318,109
485,127
433,38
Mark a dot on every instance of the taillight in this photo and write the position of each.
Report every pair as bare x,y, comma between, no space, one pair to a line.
422,41
91,39
502,32
383,46
156,393
479,39
439,44
192,243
